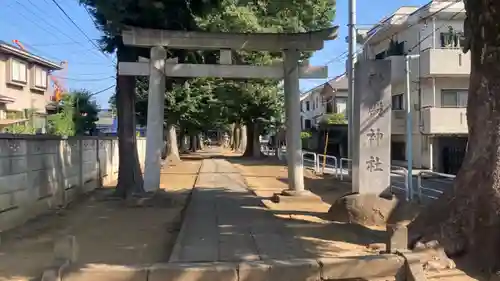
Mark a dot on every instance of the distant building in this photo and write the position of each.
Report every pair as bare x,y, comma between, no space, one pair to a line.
108,124
327,98
24,86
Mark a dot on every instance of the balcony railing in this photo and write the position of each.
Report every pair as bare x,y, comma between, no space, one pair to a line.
444,120
444,62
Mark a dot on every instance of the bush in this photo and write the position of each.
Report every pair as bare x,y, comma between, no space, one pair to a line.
305,135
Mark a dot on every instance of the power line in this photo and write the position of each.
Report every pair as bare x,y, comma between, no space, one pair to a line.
419,21
89,74
86,80
42,52
91,16
345,54
79,29
43,20
31,20
60,43
436,29
37,24
103,90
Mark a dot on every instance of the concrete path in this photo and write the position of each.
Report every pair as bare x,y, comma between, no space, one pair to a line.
225,222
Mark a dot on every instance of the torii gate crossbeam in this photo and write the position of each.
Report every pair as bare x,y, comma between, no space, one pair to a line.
290,44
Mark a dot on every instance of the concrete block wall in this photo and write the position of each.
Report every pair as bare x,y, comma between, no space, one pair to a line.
38,173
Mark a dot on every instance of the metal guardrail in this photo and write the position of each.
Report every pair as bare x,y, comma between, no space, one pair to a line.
324,163
402,171
338,167
420,187
341,166
314,159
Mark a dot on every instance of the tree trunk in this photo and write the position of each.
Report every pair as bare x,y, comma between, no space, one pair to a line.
253,144
164,152
243,138
466,218
199,142
231,136
129,172
193,143
173,148
183,142
236,137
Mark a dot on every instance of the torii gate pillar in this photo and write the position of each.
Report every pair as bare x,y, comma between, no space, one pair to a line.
293,126
288,43
154,131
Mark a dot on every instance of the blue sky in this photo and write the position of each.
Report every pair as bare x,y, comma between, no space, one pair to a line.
46,31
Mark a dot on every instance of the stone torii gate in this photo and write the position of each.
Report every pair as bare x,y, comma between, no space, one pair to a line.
158,67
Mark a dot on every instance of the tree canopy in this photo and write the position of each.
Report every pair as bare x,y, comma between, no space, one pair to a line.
197,104
77,115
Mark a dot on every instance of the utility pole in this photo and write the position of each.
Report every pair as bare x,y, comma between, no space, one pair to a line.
351,60
409,126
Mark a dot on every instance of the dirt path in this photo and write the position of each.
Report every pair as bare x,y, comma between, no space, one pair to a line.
266,177
110,232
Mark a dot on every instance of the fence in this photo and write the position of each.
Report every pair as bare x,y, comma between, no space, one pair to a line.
38,173
401,171
421,188
328,164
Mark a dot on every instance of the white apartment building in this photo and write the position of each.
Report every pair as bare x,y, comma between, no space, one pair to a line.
327,98
439,81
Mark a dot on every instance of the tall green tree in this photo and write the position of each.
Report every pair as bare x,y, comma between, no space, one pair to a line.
257,102
466,219
77,115
111,17
85,113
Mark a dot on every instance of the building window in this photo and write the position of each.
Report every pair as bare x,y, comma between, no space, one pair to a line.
307,124
18,71
454,98
398,151
398,102
40,78
340,105
308,106
329,106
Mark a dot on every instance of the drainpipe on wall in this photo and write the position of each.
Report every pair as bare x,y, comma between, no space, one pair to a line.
434,32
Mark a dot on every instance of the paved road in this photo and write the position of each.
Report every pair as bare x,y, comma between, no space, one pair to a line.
397,180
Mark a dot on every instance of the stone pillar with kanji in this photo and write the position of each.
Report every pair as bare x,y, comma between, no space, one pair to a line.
372,127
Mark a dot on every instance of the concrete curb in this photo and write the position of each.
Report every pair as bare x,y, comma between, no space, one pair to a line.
176,250
413,267
341,268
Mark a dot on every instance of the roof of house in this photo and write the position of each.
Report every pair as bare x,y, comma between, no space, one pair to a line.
303,96
399,15
13,50
338,83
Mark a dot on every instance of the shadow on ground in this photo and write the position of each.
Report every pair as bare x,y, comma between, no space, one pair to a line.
108,231
246,230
